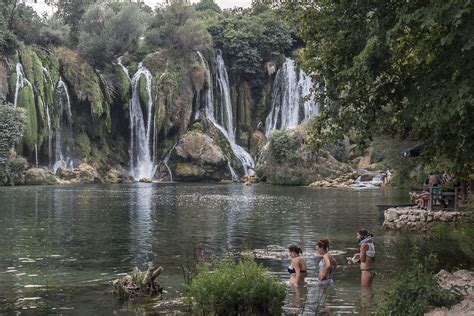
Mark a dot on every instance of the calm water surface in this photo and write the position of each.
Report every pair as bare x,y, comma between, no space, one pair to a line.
60,246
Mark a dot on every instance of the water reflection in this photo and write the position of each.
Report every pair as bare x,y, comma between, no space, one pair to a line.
141,210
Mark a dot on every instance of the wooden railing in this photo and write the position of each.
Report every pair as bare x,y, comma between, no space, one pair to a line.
443,197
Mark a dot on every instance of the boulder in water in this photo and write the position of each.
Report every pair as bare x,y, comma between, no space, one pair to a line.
196,158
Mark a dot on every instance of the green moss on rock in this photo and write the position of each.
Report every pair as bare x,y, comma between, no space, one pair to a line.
26,100
83,145
84,81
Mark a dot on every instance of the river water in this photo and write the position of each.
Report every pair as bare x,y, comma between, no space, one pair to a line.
60,246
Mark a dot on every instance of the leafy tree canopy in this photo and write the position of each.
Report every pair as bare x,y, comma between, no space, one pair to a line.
248,41
177,27
106,34
398,68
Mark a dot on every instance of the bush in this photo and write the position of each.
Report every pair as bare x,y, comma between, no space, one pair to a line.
447,247
235,288
12,125
412,292
283,144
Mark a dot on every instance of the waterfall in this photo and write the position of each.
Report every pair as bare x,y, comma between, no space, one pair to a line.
225,124
142,128
21,81
125,69
50,143
47,79
289,104
62,148
36,155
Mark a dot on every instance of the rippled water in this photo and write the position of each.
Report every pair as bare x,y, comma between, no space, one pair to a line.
62,245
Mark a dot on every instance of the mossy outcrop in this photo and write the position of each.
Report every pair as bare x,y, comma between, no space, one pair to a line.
39,176
285,161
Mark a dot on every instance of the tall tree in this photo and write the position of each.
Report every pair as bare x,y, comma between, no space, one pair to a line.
399,68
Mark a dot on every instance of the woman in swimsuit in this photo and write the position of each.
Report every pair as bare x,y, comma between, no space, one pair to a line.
297,269
366,256
328,264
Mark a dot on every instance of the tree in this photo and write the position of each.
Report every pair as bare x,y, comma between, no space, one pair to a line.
205,5
105,34
249,41
177,27
72,12
397,68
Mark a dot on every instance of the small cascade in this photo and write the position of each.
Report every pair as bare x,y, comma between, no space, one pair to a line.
48,80
21,81
50,134
63,134
225,121
289,104
36,155
142,129
125,69
167,159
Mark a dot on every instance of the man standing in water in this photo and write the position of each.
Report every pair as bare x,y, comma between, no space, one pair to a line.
366,257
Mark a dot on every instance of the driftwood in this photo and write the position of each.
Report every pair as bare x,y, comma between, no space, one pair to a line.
138,283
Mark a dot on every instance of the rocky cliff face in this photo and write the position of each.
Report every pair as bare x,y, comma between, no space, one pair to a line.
94,127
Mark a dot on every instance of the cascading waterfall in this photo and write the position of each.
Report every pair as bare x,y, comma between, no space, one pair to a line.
21,81
167,159
47,79
289,104
62,150
125,69
50,141
225,123
142,128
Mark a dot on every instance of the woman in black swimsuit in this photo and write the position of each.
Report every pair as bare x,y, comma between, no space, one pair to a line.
297,269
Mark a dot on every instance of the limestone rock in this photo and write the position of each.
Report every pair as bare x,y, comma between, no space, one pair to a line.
84,173
38,176
118,175
197,157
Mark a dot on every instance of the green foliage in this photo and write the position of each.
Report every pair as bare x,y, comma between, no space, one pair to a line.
26,101
283,144
177,27
12,125
229,288
8,10
412,292
26,24
447,247
207,5
55,32
399,68
106,34
248,41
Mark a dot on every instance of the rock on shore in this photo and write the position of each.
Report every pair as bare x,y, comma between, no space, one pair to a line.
463,282
409,218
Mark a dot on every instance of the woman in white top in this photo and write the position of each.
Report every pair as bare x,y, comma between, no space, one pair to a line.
366,256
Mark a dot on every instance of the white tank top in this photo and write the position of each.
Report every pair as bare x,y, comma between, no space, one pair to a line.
371,251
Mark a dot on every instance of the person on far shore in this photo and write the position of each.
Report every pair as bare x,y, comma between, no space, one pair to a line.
298,269
327,265
366,257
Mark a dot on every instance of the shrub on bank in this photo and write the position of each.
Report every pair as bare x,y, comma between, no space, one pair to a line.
447,247
413,291
228,288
